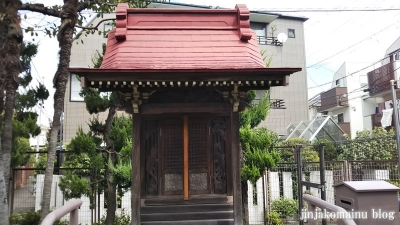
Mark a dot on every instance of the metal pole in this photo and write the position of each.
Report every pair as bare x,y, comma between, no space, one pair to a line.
38,137
59,155
396,119
299,182
264,192
322,176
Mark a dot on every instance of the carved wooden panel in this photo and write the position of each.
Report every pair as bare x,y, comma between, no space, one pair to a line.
198,181
151,145
218,131
186,96
173,155
198,155
173,182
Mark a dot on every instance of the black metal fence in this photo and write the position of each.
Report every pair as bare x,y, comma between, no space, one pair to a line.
275,194
279,196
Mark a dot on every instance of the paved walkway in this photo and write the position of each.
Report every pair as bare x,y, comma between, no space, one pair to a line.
24,198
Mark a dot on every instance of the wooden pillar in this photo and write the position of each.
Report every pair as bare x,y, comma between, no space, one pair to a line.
236,181
136,186
185,158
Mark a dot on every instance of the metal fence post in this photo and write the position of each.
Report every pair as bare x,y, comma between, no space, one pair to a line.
11,194
264,192
396,117
322,176
299,181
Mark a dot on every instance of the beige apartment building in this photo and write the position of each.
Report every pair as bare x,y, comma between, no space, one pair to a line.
291,101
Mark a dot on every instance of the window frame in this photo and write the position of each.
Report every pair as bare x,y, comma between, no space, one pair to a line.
71,77
293,31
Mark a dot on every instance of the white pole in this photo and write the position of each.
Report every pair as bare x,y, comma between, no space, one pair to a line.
38,137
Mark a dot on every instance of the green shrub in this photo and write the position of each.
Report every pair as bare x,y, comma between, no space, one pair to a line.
120,219
395,183
273,219
29,218
285,208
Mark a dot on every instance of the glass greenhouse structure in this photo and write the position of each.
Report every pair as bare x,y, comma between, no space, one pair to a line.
317,129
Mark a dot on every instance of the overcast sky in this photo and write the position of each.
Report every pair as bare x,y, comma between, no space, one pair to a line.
331,37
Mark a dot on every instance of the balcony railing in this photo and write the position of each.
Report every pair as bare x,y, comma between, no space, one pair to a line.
263,40
333,99
379,79
277,104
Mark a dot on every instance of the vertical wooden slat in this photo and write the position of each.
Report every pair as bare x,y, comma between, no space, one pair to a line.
136,186
235,154
185,158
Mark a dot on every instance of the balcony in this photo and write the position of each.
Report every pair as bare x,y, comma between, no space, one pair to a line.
263,40
379,79
333,99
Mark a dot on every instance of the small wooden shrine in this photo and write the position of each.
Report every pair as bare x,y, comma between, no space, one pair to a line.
183,74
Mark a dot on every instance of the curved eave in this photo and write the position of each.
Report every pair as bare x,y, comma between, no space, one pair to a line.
253,78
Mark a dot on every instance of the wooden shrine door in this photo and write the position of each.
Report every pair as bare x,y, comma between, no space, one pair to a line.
164,156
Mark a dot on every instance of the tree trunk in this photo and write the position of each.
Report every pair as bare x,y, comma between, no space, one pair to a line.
245,203
7,132
111,186
65,38
10,40
111,194
3,196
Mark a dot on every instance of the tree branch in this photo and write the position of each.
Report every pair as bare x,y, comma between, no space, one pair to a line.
95,27
107,151
97,181
86,4
40,8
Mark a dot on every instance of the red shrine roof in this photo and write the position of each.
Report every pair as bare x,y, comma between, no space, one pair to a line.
182,39
164,47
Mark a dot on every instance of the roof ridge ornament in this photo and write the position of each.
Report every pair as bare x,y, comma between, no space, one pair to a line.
243,22
122,20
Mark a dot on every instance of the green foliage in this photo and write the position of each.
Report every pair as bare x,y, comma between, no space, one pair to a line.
330,151
98,57
258,113
273,219
95,103
308,153
20,146
266,58
24,126
73,186
29,218
377,144
24,121
121,132
395,183
257,154
285,208
82,143
120,219
122,172
90,154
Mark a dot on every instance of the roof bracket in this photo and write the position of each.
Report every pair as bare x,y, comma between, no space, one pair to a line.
244,22
122,20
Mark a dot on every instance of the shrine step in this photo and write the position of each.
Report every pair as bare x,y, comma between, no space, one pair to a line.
207,214
205,199
192,222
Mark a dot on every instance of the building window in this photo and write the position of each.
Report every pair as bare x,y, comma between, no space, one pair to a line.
259,28
397,56
75,89
291,33
107,28
340,118
340,82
